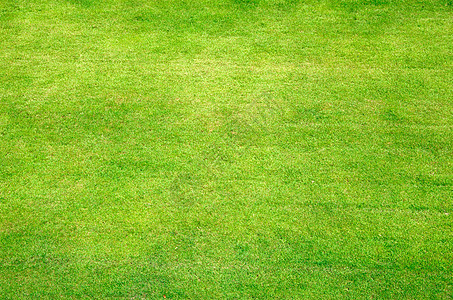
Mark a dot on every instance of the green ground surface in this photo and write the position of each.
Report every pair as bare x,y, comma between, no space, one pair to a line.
230,149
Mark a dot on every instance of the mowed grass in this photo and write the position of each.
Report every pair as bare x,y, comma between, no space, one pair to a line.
226,149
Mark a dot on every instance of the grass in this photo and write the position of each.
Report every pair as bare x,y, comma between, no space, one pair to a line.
226,149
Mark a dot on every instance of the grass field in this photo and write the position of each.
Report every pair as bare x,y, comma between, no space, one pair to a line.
229,149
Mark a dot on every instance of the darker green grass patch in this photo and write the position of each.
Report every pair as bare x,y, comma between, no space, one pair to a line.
244,4
192,20
389,115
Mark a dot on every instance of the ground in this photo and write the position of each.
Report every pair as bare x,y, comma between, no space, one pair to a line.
226,149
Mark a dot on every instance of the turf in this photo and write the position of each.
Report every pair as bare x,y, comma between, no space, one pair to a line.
229,149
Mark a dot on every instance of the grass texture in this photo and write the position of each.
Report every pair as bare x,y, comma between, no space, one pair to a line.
229,149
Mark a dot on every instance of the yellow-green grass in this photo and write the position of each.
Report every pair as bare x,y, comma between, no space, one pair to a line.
226,149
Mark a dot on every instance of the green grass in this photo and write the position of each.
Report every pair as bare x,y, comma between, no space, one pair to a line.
229,149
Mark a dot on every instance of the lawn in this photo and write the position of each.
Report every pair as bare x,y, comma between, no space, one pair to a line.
226,149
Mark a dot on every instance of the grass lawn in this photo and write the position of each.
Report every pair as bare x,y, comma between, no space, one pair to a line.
226,149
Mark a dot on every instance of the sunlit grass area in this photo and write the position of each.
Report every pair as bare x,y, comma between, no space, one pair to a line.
233,149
